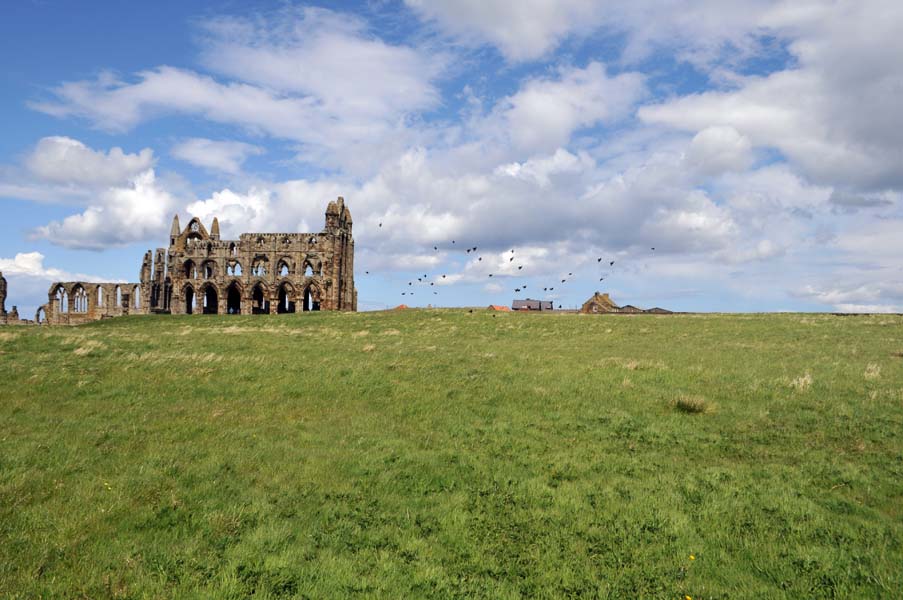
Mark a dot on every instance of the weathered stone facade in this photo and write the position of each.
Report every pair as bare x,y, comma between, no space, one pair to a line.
2,299
199,273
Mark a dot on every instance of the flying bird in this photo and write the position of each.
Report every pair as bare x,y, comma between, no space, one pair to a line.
511,259
653,249
563,280
490,274
380,224
366,272
516,289
481,258
443,277
611,264
599,259
520,267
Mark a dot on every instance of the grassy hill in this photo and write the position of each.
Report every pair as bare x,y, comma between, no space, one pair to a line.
439,453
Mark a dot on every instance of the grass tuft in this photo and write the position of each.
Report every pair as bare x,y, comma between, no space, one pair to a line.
692,404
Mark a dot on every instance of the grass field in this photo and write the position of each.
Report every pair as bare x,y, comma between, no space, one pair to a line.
438,453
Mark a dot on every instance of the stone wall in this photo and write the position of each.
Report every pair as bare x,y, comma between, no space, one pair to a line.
200,273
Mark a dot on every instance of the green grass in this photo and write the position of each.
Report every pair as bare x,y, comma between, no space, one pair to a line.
442,454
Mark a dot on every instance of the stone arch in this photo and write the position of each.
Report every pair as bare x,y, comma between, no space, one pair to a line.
136,296
190,269
284,267
99,296
40,315
233,269
167,294
79,299
208,269
60,297
209,299
260,298
118,292
260,266
311,298
190,300
287,300
233,249
233,293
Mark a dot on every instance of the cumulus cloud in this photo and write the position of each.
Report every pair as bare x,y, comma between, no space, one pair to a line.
226,156
119,216
718,149
62,159
544,113
834,115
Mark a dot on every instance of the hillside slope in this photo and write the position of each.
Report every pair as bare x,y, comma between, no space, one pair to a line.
439,453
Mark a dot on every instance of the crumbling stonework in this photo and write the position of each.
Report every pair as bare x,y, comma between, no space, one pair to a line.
3,315
199,273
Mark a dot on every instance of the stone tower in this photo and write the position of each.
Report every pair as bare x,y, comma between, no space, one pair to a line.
2,296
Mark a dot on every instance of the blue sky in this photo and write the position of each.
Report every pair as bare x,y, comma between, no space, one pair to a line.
757,145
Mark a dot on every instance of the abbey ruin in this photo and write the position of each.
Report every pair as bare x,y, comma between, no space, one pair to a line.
199,273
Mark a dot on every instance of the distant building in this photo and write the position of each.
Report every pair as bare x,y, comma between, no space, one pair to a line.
630,310
499,308
603,304
599,303
530,304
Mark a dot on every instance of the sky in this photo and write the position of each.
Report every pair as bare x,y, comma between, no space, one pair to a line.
742,155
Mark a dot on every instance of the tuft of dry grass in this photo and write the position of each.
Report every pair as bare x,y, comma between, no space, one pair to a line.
802,383
692,404
872,371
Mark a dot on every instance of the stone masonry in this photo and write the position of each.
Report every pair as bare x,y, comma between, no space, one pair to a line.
199,273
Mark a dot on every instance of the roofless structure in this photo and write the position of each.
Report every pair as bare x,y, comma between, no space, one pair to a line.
200,273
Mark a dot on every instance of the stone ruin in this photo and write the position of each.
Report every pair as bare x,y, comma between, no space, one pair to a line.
11,317
259,273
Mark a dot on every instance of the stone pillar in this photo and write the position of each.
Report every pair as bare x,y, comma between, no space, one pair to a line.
2,295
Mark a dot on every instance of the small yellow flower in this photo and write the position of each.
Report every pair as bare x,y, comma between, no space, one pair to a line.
692,557
688,598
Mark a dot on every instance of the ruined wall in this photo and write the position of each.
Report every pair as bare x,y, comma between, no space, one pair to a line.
257,274
76,302
199,273
3,315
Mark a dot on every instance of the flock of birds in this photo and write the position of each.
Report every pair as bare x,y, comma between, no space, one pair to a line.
409,291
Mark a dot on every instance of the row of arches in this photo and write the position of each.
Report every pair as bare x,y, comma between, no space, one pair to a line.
260,267
284,298
77,299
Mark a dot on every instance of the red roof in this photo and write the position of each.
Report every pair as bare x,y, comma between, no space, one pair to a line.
499,307
400,307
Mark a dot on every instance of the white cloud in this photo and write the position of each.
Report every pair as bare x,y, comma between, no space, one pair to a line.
226,156
64,160
718,149
698,31
834,114
237,213
522,30
544,113
119,216
327,56
31,264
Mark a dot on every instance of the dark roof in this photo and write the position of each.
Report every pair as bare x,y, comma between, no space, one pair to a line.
530,304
